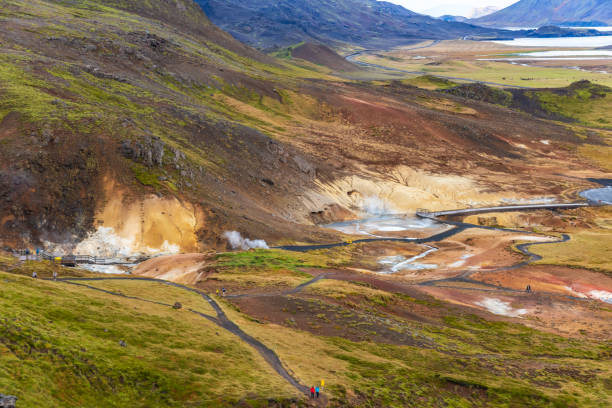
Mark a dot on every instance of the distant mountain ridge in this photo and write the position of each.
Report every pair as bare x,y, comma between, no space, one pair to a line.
484,11
536,13
279,23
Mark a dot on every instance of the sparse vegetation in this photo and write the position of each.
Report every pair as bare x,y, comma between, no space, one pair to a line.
430,82
587,249
586,102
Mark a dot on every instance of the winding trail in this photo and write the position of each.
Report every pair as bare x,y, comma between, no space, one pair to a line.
458,226
269,355
352,58
464,277
220,320
293,291
434,238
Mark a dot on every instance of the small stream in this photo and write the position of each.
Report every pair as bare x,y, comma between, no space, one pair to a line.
394,264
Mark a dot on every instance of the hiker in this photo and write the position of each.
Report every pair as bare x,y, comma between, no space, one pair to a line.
34,275
317,390
54,275
223,290
217,292
528,290
312,392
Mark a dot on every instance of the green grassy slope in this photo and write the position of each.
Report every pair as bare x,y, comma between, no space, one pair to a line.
460,360
59,347
588,103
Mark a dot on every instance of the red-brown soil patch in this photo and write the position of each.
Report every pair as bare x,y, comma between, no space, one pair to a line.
553,313
322,55
552,279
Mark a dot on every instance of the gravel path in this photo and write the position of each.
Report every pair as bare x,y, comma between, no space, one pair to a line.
220,320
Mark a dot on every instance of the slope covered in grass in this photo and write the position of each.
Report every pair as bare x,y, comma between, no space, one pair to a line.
59,347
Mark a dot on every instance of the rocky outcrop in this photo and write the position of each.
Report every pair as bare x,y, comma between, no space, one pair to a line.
7,401
481,92
149,150
488,221
332,213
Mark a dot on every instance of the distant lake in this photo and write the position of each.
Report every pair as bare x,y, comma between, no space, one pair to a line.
568,53
573,28
560,42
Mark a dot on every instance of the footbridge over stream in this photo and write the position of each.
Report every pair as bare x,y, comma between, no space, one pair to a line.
423,213
73,260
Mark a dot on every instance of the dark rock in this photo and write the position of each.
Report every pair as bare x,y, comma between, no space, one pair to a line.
178,155
149,152
122,343
103,75
7,401
488,221
177,305
481,92
157,151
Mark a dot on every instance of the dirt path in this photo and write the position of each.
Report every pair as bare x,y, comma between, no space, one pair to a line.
464,277
434,238
295,290
269,355
220,320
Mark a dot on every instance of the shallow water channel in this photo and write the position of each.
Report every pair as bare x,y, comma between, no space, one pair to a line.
394,226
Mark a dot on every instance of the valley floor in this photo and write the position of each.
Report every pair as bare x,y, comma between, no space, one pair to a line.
465,332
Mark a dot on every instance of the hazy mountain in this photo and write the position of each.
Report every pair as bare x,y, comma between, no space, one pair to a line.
528,13
449,9
483,11
473,13
270,23
460,11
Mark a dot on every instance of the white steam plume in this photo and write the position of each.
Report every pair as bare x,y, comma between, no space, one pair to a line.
374,205
236,241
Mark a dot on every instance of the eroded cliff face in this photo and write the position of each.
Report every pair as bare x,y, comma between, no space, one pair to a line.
149,223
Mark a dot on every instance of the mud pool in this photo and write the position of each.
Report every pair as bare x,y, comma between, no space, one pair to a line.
599,195
385,226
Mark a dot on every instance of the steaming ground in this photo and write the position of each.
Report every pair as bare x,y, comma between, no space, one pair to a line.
393,264
236,241
499,307
386,226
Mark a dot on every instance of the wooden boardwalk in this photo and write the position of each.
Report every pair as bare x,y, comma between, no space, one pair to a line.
505,208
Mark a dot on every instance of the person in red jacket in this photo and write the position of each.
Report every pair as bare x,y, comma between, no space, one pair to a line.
312,392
